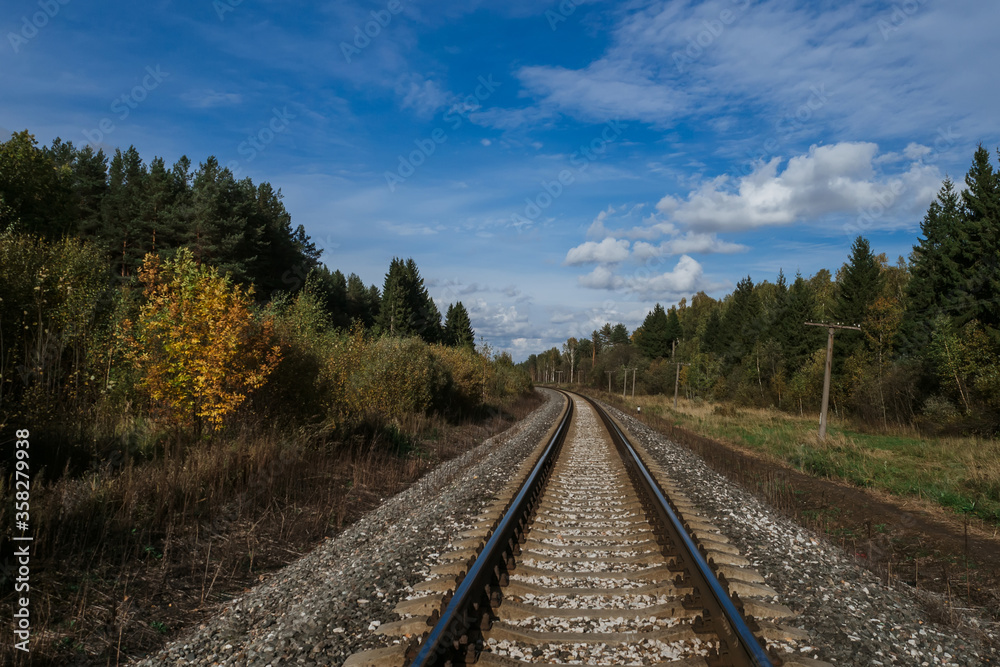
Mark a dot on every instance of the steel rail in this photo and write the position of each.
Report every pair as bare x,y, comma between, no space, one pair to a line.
456,619
746,651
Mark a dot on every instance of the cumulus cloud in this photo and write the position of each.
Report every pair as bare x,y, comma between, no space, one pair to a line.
686,277
601,278
608,251
835,179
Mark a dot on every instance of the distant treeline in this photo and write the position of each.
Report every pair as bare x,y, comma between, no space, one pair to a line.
182,298
928,352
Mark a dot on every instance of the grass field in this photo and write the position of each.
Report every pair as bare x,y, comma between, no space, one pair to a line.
959,473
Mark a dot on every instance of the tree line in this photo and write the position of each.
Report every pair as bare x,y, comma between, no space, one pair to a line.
928,352
185,296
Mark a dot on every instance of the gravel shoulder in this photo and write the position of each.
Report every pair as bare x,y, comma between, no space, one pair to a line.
851,616
322,608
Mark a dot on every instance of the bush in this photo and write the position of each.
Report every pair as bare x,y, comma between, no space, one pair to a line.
198,346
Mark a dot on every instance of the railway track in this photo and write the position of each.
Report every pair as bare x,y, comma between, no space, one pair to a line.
591,556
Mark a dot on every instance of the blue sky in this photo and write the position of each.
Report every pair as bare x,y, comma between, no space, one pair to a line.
553,165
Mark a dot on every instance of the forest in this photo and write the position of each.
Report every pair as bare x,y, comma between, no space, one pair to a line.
184,296
927,355
187,367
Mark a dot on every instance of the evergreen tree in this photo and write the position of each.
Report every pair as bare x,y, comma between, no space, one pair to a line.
619,335
33,192
981,250
406,308
652,337
90,183
673,332
711,339
395,309
458,330
742,322
860,284
935,272
798,341
361,306
121,229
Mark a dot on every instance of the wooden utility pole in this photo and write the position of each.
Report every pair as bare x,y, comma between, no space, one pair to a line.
829,366
625,382
677,382
608,373
633,382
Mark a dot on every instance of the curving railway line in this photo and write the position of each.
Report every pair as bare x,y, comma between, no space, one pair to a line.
590,556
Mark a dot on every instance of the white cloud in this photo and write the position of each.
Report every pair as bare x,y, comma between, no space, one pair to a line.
608,251
601,278
691,242
421,95
604,90
835,179
208,98
685,278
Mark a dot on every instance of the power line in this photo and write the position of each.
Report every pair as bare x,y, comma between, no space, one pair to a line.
829,367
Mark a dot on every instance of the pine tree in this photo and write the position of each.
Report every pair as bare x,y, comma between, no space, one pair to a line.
980,256
798,341
935,272
90,183
711,334
860,284
121,229
395,309
742,322
673,332
652,337
33,192
458,330
619,335
361,306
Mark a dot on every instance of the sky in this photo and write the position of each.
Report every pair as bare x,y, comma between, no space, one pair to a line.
552,165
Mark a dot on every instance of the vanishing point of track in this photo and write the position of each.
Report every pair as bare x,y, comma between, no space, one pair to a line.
589,556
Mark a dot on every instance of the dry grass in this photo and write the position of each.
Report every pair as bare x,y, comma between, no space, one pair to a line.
962,474
126,557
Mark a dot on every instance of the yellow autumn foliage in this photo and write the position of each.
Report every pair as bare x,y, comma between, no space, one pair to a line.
199,349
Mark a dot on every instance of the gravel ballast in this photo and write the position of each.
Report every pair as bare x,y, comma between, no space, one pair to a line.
322,608
851,616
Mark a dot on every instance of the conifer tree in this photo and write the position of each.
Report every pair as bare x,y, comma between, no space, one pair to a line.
458,330
980,252
652,337
935,271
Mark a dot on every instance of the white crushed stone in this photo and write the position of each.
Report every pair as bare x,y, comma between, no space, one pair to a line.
851,616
